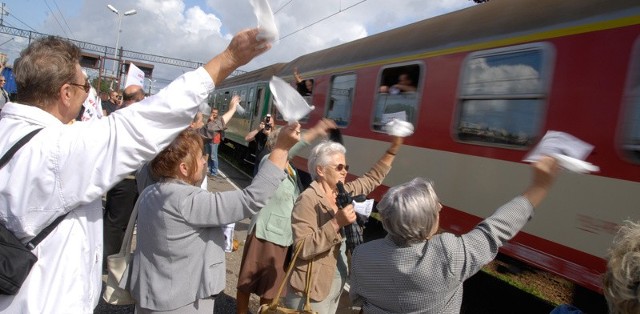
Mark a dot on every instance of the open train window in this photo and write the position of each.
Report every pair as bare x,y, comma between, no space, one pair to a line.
502,95
340,99
631,126
398,95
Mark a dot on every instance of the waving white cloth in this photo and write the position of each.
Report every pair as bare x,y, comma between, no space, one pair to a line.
266,22
568,150
398,128
288,101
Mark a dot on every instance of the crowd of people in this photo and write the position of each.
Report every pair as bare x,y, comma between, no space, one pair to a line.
156,155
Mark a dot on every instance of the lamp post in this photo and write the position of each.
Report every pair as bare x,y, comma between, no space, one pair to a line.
115,53
150,85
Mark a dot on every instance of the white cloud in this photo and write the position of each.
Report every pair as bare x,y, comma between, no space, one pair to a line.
198,29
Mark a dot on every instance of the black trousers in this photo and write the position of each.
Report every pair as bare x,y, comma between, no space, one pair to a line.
120,201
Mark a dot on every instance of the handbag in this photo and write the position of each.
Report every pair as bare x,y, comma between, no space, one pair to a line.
119,268
275,308
16,259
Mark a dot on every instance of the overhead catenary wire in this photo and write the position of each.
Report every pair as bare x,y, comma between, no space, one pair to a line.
63,19
322,19
56,18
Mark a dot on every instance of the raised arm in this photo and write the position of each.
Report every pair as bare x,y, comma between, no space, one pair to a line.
243,48
233,105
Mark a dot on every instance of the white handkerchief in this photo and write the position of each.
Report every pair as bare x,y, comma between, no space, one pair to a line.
399,128
266,22
363,208
288,101
567,149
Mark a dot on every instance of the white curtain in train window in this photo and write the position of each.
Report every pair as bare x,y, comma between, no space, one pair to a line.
502,98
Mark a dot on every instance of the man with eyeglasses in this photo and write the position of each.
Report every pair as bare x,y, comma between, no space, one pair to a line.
4,96
64,170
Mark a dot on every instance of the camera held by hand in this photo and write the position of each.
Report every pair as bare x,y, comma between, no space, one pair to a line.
267,122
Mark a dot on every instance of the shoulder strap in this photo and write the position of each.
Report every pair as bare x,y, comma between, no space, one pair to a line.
3,161
12,151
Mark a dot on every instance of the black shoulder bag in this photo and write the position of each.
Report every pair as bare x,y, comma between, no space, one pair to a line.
16,259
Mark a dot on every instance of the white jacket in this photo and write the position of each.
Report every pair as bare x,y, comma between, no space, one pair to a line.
67,169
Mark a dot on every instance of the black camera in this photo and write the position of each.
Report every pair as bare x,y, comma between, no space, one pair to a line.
267,125
343,198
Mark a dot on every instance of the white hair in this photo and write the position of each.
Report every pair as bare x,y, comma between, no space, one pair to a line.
410,211
321,155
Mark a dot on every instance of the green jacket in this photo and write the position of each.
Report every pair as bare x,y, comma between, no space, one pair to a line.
273,222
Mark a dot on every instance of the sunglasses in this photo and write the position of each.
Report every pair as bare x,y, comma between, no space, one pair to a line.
340,167
86,86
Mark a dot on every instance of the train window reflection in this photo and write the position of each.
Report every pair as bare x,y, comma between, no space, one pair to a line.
340,99
398,95
631,141
502,96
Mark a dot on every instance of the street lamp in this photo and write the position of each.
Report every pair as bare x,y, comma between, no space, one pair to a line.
151,84
115,53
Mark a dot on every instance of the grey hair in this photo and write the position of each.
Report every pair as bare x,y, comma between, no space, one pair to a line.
272,138
622,278
321,155
409,211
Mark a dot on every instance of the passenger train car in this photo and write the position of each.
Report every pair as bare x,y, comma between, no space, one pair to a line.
490,81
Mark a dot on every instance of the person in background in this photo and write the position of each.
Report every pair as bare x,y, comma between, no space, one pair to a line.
214,130
111,104
415,270
318,223
259,136
65,169
304,87
121,198
621,282
4,96
405,84
179,226
263,261
131,94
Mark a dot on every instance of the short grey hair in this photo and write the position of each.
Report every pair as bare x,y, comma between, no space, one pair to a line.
321,155
622,278
410,211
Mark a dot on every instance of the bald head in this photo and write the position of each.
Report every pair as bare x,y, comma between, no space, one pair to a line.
132,94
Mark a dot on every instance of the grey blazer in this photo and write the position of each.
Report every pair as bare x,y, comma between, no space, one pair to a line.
179,256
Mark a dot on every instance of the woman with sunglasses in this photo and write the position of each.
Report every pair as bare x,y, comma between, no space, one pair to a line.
317,223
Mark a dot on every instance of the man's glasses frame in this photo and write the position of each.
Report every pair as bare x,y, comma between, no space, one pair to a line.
86,86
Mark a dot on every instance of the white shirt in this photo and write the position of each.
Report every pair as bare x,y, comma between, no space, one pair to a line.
67,169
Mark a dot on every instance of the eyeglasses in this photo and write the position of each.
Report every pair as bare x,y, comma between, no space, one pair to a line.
341,167
86,86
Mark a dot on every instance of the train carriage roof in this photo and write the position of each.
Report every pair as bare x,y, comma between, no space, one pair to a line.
496,19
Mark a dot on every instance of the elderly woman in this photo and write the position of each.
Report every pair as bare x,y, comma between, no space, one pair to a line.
317,223
265,251
415,270
179,263
622,279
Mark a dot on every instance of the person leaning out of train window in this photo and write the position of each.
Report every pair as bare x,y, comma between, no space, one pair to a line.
621,287
405,85
317,223
304,87
415,270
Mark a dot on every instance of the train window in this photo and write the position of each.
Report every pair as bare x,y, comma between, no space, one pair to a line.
631,131
502,95
398,95
340,99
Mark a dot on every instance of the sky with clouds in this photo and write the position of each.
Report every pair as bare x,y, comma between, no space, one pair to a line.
196,30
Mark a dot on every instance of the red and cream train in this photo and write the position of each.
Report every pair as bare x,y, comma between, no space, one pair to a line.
491,80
